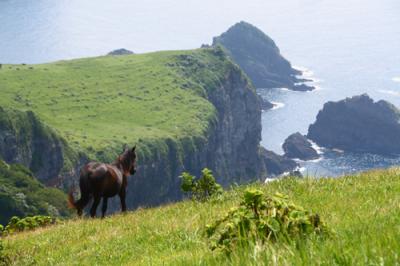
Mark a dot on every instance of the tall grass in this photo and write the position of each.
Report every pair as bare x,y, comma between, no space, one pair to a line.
363,210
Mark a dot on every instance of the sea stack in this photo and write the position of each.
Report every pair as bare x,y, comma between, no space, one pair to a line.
297,146
358,124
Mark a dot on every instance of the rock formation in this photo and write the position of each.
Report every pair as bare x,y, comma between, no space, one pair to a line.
260,58
358,124
121,51
276,164
298,146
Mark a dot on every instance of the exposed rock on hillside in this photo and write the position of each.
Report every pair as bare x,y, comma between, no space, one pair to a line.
260,58
231,149
298,146
276,164
358,124
24,139
121,51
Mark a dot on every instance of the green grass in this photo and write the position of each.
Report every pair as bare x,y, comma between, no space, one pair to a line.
363,210
97,104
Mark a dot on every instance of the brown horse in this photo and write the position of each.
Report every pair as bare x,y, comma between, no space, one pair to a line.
100,180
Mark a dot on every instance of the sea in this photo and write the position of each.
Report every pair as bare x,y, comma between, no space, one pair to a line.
347,47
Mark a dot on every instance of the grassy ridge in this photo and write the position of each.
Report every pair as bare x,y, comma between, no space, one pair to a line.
99,103
364,210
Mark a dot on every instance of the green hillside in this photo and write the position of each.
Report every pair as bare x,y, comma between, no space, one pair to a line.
97,104
21,194
363,210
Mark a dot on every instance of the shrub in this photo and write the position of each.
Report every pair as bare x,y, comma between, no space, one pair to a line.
28,223
201,188
260,219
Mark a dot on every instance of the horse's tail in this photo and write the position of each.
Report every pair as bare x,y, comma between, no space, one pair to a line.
71,201
79,204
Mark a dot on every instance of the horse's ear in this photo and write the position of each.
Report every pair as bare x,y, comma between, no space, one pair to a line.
134,148
124,148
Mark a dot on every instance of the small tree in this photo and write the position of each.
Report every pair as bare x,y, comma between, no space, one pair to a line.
201,188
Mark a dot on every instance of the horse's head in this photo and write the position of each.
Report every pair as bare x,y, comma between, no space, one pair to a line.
128,161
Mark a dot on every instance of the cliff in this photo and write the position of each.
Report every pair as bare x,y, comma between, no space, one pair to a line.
358,124
184,109
24,139
260,58
230,147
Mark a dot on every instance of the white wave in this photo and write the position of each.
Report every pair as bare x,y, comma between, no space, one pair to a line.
390,92
315,146
277,105
306,73
284,89
301,169
396,79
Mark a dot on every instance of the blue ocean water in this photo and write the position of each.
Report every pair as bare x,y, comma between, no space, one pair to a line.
350,46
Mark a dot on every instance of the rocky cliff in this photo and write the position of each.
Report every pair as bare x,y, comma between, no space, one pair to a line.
260,58
231,147
358,124
24,139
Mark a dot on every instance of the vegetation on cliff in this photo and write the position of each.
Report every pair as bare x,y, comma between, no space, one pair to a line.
21,194
362,210
26,140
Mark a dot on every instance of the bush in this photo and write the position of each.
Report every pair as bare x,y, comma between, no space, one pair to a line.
260,219
28,223
201,188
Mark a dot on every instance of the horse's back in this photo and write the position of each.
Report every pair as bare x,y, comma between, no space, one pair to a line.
101,178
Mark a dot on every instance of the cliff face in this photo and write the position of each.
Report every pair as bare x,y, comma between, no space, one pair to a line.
230,149
24,139
259,57
358,124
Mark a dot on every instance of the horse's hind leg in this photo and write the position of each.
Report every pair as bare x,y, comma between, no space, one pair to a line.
122,196
96,202
104,208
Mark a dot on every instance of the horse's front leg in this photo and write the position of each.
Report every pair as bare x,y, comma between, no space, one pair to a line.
122,196
96,202
104,208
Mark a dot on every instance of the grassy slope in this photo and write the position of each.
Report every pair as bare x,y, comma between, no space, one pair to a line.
98,103
364,210
23,195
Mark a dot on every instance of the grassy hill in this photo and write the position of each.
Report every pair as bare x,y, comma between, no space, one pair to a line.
97,104
363,210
